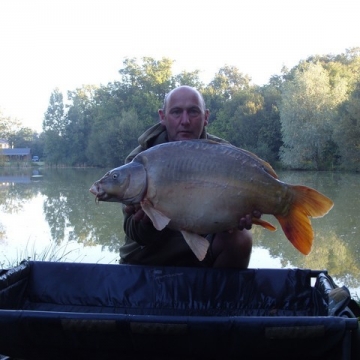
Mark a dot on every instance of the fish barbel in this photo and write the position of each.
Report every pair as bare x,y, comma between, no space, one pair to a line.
203,187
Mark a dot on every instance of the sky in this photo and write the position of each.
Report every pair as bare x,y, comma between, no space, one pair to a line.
48,44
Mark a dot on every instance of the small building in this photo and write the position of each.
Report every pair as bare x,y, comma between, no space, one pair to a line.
4,144
16,154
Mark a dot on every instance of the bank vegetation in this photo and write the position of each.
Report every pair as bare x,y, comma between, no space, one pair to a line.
307,117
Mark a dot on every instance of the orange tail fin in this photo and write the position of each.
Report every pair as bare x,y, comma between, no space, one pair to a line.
296,225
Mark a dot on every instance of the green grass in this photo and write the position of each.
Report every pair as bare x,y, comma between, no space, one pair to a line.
51,253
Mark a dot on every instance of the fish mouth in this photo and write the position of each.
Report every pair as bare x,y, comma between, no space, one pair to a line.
100,195
94,189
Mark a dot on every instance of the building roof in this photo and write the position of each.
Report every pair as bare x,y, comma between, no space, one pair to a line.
16,151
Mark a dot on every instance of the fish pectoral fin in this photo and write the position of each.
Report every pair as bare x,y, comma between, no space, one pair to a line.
198,244
263,223
159,220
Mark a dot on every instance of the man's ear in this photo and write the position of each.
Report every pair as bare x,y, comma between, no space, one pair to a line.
161,116
207,115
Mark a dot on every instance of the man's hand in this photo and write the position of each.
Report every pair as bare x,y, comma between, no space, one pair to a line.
246,222
137,212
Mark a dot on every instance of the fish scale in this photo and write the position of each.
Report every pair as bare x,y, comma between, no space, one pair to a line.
201,187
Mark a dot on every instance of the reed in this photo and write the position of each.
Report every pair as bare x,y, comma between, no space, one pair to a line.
53,252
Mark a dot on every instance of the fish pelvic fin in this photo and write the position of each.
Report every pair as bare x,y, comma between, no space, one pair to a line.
198,244
307,202
159,220
263,223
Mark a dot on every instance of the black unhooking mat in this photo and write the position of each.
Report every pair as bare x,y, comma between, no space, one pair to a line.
93,311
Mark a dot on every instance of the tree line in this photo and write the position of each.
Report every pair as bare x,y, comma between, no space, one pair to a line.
308,117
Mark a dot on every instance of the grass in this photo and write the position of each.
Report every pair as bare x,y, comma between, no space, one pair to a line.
53,252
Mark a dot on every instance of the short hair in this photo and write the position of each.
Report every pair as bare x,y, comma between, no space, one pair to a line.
183,86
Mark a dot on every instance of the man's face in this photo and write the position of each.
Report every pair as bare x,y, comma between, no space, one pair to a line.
185,116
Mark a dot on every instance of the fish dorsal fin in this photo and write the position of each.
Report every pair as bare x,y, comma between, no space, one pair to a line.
268,168
158,219
198,244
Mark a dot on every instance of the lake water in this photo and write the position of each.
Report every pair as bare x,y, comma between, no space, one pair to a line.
49,214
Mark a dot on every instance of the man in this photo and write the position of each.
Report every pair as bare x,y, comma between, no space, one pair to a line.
183,117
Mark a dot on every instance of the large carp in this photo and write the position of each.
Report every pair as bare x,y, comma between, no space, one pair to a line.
202,187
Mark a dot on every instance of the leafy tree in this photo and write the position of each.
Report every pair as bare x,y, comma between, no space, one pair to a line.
54,119
307,114
226,83
149,78
233,118
137,97
79,118
157,76
229,80
38,144
8,126
108,146
347,131
22,138
130,127
269,133
188,78
299,116
54,126
243,121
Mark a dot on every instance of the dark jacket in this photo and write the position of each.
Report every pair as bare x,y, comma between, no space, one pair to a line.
144,245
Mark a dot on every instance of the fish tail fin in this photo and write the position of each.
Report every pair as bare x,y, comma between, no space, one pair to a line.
307,202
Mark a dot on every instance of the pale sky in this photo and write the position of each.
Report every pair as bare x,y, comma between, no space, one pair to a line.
46,44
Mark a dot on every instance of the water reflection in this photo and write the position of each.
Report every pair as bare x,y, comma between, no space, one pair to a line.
56,208
70,207
62,212
336,245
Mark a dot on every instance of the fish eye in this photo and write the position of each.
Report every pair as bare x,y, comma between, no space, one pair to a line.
115,176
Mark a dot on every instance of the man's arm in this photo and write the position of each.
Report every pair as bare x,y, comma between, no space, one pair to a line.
139,228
